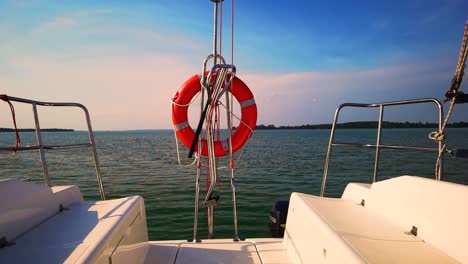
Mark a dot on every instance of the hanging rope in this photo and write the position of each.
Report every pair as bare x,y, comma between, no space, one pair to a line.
452,94
179,160
213,124
461,59
4,97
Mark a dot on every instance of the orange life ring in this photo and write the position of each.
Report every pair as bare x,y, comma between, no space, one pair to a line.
186,134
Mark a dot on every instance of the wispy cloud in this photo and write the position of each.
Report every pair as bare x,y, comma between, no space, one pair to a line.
70,20
57,23
130,79
134,92
23,3
311,97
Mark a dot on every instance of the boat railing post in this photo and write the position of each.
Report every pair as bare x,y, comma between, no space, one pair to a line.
377,145
210,216
41,146
94,151
231,164
197,197
329,150
234,208
442,142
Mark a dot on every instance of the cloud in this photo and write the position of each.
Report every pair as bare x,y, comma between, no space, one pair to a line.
56,24
70,20
23,3
311,97
126,84
134,92
126,75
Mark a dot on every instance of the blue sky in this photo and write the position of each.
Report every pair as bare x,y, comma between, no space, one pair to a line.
126,59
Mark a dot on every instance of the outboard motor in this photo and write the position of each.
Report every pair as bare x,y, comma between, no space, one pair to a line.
278,216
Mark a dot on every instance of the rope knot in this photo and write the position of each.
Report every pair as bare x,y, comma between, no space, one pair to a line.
437,136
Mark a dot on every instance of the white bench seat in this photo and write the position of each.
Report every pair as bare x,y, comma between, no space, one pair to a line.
25,204
88,232
332,230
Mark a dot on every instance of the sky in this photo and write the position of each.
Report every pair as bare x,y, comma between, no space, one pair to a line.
125,60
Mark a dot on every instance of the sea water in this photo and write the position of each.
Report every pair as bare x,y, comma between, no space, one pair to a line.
273,164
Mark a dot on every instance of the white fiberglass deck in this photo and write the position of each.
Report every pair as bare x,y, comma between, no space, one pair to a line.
40,224
251,251
373,223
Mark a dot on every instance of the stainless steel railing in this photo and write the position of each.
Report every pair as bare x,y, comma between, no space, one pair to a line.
41,147
378,144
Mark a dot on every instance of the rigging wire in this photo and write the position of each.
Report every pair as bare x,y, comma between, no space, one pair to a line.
232,32
221,28
230,108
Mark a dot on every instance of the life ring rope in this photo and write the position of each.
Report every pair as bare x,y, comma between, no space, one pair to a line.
185,105
195,159
243,104
179,159
181,126
237,117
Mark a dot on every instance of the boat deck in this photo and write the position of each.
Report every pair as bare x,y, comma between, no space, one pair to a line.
391,221
261,250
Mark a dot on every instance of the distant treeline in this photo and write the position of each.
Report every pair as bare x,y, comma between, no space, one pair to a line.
367,124
33,130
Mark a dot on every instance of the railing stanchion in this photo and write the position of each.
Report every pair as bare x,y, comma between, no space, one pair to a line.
441,143
377,145
41,146
95,155
329,150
